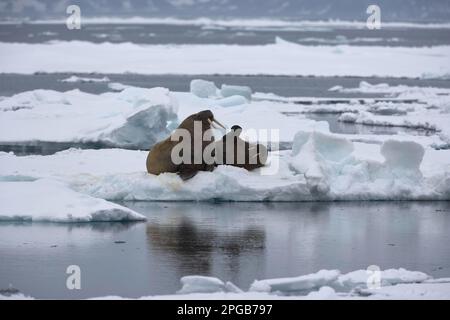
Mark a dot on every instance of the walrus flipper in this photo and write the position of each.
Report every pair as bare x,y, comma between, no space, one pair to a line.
187,173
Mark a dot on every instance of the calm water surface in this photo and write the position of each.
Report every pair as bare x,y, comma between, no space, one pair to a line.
238,242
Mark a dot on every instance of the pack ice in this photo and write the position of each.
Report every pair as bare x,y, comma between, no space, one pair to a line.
317,165
430,112
278,58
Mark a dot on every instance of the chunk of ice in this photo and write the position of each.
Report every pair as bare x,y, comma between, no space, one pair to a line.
231,101
203,89
228,91
201,284
402,154
295,284
49,200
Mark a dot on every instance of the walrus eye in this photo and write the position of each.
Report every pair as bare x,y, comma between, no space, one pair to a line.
214,121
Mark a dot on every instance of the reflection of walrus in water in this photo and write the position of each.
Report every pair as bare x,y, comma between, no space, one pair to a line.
234,151
159,158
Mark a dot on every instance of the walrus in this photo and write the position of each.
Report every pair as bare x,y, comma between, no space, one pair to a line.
234,151
159,158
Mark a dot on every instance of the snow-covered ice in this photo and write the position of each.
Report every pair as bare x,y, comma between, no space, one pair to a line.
137,117
296,284
52,201
389,277
279,58
255,115
246,23
231,90
192,284
431,112
231,101
324,284
322,166
422,291
202,284
203,89
134,117
74,79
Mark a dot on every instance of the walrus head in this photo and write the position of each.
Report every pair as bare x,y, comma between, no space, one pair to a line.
207,117
236,130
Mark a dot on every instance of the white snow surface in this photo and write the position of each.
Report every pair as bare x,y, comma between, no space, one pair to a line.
238,23
51,201
138,117
387,277
134,117
302,283
322,166
202,284
75,79
279,58
230,90
203,89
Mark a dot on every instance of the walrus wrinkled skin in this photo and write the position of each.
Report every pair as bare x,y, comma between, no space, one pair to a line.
245,155
159,158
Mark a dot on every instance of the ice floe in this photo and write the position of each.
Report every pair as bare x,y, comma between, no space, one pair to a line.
239,23
358,279
134,117
74,79
321,166
203,89
279,58
324,284
202,284
51,201
137,117
230,90
231,94
296,284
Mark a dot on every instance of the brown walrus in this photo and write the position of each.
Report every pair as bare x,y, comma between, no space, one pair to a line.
159,158
243,154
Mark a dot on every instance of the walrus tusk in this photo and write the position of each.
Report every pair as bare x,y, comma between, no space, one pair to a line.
212,124
220,124
216,122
